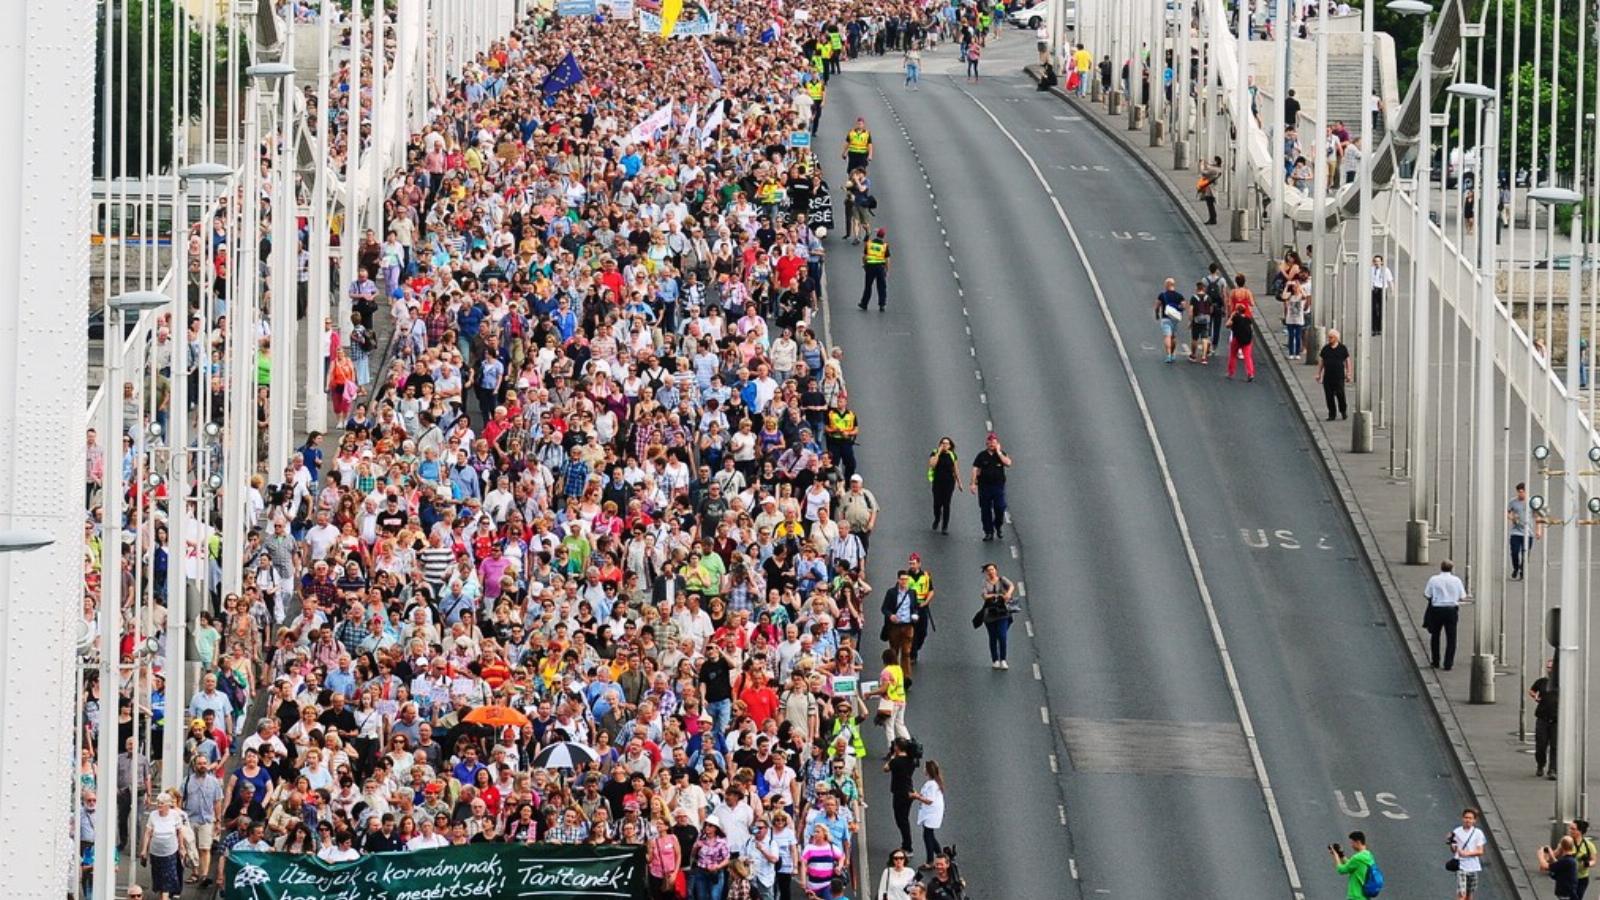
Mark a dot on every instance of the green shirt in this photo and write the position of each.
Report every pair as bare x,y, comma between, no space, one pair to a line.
1356,867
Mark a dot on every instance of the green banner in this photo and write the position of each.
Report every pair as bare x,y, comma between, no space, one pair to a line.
476,871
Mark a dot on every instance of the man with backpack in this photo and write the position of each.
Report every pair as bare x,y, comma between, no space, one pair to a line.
1216,290
1363,878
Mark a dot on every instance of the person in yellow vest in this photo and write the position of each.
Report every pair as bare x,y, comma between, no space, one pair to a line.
921,583
770,195
891,694
875,269
817,91
857,147
836,44
841,430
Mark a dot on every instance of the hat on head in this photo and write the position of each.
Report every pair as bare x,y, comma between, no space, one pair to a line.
855,478
882,232
914,557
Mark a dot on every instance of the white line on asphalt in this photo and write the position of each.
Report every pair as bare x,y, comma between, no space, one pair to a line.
1061,813
1193,553
973,350
1073,865
1039,676
1022,589
1055,766
956,274
977,374
1044,714
988,424
1013,551
1028,624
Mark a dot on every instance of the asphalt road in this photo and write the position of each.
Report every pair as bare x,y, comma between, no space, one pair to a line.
1120,766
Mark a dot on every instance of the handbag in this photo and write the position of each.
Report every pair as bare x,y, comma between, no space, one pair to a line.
1174,312
885,710
977,617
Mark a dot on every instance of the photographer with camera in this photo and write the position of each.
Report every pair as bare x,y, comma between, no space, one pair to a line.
1363,879
1467,845
1561,864
944,882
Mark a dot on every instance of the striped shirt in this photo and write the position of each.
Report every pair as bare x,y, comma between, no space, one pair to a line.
820,861
436,563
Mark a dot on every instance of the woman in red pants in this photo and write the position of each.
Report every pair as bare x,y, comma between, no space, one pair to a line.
1241,325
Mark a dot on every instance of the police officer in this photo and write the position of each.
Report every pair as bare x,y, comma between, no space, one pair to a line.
875,269
857,146
989,483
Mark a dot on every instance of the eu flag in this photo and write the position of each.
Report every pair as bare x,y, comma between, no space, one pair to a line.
564,75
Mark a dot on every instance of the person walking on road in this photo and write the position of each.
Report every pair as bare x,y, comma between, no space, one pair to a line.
1546,698
875,270
989,483
1466,854
1241,328
1334,370
899,622
913,63
921,583
1523,528
842,430
897,878
857,146
1354,867
1169,315
1444,592
893,680
944,478
930,811
995,613
1200,325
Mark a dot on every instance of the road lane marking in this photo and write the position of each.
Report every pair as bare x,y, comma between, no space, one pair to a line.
1044,714
1073,865
1055,765
1028,624
1191,551
1039,676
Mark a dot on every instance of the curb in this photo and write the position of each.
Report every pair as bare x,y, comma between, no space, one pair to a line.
1466,762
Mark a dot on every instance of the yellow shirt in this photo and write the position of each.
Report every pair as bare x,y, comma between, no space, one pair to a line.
894,683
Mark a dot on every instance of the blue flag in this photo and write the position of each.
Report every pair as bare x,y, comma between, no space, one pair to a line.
564,75
712,71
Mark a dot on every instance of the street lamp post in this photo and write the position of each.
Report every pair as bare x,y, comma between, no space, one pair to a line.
1239,225
1486,504
105,825
1417,408
1570,628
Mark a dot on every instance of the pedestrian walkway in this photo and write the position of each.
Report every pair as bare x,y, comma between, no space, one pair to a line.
1493,742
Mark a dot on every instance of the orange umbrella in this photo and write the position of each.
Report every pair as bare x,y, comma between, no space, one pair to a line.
497,716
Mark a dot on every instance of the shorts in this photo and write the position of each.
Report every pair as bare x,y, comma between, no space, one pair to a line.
1466,882
1169,327
205,834
1199,331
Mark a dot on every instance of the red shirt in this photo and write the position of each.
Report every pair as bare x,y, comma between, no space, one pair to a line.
760,702
789,269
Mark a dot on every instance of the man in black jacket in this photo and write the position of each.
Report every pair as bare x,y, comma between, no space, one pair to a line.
899,620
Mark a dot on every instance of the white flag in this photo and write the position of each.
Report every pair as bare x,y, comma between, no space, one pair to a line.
688,129
652,123
711,124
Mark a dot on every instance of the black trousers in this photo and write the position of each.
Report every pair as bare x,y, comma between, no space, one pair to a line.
1520,545
1441,622
902,820
941,504
1211,209
874,275
1333,392
1377,310
1544,744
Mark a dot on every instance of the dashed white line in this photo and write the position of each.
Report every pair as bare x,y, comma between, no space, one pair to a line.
977,374
1072,865
1061,813
1022,589
1013,551
1055,766
1039,676
1044,715
1028,624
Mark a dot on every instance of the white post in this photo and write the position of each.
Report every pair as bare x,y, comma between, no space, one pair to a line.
286,252
1574,446
45,165
1487,503
1417,408
177,494
1277,124
1318,146
1361,425
350,235
377,161
317,288
1158,68
1241,117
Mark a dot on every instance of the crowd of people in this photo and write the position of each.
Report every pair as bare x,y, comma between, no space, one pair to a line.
598,496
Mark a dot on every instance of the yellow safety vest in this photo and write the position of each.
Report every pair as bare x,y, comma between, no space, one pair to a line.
836,39
894,683
920,585
814,88
877,252
826,50
768,193
841,424
858,140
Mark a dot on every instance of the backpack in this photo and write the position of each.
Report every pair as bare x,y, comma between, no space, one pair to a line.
1214,293
1373,885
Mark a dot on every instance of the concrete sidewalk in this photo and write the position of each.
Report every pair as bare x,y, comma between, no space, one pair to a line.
1493,743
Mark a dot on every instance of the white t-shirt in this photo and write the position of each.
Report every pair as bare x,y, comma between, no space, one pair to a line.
335,855
1444,589
1469,839
164,832
931,814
